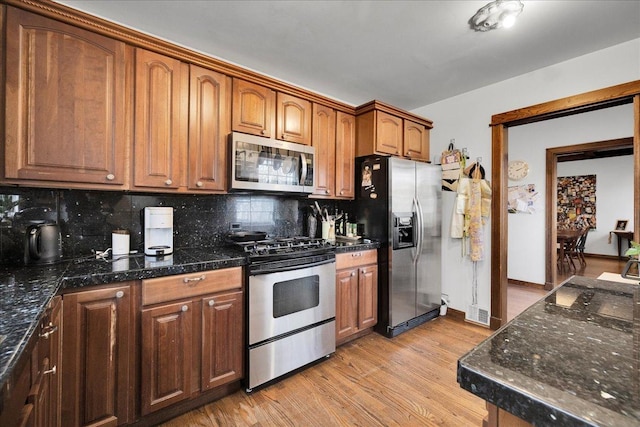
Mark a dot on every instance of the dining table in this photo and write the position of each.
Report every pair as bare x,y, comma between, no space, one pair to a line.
564,237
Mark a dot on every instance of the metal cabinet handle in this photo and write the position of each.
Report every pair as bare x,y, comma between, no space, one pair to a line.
327,192
50,371
356,254
51,330
168,182
342,192
111,177
211,303
263,131
353,273
199,184
119,294
190,280
185,308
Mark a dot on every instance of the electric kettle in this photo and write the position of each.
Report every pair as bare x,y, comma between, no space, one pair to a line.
43,244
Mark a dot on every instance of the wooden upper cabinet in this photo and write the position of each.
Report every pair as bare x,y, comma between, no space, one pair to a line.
389,133
209,126
416,141
345,155
324,142
294,119
65,104
387,130
161,117
253,109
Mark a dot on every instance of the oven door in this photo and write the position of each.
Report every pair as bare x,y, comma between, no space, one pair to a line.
284,302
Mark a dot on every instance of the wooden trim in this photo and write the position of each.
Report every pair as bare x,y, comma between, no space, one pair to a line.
135,38
525,284
499,236
456,315
602,98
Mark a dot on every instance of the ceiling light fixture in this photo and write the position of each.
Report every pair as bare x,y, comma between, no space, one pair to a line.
497,14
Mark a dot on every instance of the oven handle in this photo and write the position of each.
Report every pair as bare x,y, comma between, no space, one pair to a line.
294,267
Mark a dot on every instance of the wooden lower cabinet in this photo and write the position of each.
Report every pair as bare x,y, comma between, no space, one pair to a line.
356,294
192,336
98,356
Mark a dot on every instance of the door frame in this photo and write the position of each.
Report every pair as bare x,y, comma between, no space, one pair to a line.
625,93
551,197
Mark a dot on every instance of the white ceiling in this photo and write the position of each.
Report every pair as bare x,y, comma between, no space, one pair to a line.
405,53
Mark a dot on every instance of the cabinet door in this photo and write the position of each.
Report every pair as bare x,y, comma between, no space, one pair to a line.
416,141
97,344
222,341
209,126
51,338
368,296
166,355
161,120
253,109
294,119
65,103
346,303
324,141
345,155
389,133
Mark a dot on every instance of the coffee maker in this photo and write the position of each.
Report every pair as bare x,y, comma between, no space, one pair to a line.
158,231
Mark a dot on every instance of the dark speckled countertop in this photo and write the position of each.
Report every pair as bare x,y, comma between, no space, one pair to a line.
571,359
26,291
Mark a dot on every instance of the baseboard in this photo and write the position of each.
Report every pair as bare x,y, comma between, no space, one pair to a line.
609,257
527,284
454,314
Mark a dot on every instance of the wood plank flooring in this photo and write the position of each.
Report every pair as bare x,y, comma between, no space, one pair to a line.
409,380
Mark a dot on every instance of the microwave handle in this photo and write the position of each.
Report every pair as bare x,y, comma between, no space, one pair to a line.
303,169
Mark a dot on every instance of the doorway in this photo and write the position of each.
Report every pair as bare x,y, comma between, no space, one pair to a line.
626,93
586,151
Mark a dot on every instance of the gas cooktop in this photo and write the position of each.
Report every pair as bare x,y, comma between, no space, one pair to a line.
284,245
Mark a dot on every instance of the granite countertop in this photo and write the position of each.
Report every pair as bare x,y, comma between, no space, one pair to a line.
573,358
25,291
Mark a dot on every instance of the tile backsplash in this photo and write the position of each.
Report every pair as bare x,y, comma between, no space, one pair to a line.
87,218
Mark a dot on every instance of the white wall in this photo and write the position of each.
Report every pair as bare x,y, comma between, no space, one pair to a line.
466,118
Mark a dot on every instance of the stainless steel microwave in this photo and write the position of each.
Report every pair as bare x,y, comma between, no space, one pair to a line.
266,164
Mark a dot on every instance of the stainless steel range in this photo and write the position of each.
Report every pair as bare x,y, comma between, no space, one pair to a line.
291,306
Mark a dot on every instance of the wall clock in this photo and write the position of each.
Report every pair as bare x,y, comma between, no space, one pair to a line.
517,170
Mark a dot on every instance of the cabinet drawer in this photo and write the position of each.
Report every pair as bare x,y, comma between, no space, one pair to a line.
181,286
354,259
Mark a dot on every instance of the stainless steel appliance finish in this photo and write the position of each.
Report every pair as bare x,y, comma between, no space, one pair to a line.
265,164
291,306
400,204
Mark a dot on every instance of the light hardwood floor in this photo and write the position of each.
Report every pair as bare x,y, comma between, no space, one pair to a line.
409,380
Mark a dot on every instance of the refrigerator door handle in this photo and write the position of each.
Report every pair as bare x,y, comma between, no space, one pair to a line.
420,235
417,229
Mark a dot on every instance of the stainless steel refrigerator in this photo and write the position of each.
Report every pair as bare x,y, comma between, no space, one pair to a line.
399,203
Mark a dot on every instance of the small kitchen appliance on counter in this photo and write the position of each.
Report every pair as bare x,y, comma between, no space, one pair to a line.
158,231
43,244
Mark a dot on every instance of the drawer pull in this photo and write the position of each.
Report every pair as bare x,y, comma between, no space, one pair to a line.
211,303
119,294
50,371
51,330
168,182
185,308
111,177
199,184
190,280
353,273
356,254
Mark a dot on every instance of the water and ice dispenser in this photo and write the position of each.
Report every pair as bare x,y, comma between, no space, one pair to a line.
403,235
